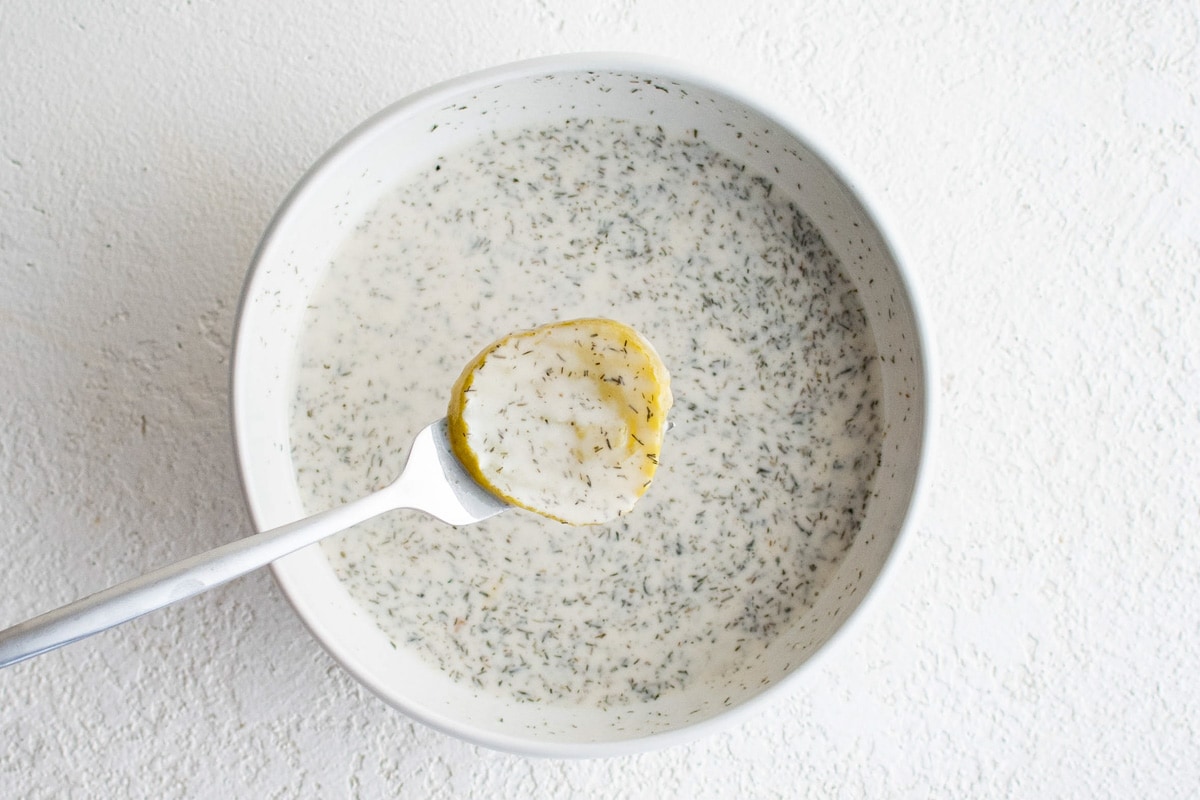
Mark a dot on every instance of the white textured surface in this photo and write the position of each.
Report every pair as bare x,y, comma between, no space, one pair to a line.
1042,636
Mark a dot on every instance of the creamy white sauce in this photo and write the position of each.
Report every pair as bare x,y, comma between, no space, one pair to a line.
565,420
762,483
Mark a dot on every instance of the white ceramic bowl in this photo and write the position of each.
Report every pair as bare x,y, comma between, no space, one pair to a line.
348,181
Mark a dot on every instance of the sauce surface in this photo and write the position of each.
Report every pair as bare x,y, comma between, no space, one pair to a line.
777,426
565,420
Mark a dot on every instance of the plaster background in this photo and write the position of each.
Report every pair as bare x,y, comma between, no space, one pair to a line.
1041,638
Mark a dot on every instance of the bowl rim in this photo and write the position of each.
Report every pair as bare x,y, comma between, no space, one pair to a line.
909,284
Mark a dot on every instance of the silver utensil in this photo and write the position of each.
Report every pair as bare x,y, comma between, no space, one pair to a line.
433,481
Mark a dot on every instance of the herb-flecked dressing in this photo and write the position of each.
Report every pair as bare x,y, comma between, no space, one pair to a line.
762,483
565,420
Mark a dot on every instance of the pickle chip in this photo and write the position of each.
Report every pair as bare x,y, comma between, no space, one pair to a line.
565,420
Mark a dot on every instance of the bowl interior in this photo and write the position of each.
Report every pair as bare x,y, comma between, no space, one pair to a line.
349,181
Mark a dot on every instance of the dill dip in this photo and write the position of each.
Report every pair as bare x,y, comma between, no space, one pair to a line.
761,485
565,420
